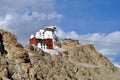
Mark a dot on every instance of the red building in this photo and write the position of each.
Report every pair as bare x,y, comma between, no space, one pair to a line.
49,43
44,42
44,38
34,41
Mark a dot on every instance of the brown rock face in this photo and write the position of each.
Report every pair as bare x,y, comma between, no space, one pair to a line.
78,62
85,54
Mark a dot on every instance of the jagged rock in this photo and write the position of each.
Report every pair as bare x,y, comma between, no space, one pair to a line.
77,62
86,53
4,73
3,61
25,67
19,60
1,45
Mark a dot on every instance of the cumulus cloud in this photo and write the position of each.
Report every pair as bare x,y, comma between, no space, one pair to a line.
25,17
117,64
106,44
6,21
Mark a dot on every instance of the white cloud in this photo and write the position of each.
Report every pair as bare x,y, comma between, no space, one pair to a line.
42,16
106,44
23,17
108,51
63,34
6,21
117,64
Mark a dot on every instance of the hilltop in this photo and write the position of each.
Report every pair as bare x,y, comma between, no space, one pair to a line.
76,62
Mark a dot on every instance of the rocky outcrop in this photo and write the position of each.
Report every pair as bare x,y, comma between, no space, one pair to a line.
1,45
85,54
77,62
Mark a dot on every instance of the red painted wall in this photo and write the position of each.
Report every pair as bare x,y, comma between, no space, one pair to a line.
34,40
49,43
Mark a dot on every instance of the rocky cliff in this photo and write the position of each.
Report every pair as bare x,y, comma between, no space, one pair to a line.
77,62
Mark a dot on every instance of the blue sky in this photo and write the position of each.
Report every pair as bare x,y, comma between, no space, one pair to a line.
98,19
89,16
94,20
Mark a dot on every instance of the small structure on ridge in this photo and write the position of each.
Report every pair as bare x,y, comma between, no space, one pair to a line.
45,39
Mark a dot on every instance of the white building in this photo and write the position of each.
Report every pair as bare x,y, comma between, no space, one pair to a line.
45,39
